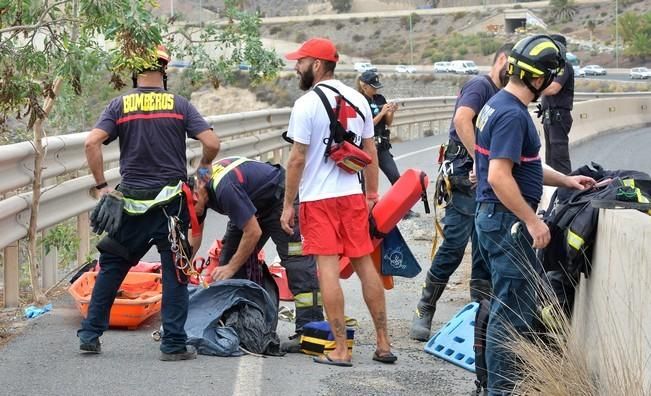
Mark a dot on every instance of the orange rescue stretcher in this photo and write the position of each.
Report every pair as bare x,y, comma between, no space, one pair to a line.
139,297
386,214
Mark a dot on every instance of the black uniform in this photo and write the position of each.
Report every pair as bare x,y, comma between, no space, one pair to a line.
557,122
383,140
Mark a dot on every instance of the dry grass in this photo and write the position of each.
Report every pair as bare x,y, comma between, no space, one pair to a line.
557,362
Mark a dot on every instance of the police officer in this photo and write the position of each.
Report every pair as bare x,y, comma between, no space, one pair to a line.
458,221
510,182
251,194
151,126
557,102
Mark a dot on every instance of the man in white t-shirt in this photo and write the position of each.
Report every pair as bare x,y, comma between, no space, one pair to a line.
333,212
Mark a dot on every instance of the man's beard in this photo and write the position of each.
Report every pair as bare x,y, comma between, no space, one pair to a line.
504,77
307,79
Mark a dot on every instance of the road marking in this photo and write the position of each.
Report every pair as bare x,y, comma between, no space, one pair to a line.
248,380
416,152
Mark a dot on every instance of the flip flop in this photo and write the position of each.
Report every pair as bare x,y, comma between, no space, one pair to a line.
325,359
386,357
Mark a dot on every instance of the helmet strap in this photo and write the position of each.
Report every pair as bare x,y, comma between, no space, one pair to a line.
134,79
164,80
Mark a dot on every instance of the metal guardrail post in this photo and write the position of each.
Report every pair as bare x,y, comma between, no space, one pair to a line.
11,276
49,267
83,230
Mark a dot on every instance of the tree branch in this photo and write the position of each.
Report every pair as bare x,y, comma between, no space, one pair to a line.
40,22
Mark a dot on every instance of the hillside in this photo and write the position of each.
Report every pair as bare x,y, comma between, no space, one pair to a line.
386,40
460,35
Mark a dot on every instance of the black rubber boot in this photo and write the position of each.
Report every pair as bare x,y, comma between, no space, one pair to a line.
480,289
422,322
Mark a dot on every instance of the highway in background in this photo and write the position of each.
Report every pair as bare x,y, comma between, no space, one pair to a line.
613,74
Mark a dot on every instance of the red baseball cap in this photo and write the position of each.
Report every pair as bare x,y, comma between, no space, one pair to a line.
318,48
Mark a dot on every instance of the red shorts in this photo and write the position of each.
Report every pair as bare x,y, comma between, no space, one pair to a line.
336,226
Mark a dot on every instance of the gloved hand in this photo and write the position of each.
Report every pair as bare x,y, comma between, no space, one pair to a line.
107,213
539,110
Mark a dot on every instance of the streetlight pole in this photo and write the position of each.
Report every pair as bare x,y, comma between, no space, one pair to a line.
171,8
616,34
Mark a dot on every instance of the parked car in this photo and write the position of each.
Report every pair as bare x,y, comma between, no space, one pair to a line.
441,67
464,67
640,73
180,63
578,72
361,67
405,69
244,66
594,70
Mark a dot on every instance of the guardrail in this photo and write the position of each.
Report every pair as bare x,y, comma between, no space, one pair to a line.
252,134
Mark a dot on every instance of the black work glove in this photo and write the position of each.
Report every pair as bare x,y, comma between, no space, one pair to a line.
107,213
539,110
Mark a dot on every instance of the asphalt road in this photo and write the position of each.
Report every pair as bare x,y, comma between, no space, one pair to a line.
45,358
624,150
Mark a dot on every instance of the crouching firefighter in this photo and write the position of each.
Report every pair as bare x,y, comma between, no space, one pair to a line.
148,207
251,194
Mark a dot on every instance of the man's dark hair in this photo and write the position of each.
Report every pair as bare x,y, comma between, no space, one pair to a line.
559,38
329,66
504,49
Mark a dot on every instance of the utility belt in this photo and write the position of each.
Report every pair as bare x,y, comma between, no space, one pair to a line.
382,142
456,150
459,164
554,115
137,201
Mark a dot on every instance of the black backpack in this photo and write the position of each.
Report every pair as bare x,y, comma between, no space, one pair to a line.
572,216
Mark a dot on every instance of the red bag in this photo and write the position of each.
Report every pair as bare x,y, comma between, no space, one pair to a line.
349,157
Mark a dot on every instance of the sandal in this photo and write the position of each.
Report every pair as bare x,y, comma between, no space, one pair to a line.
384,357
325,359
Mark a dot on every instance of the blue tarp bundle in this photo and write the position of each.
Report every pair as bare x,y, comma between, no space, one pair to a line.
248,317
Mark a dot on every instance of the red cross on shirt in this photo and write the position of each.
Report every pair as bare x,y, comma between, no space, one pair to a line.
346,111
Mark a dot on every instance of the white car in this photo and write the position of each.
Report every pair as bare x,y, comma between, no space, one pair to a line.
640,72
361,67
463,67
441,67
405,69
578,72
594,70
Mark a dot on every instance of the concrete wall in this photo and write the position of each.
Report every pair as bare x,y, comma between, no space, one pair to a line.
612,317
